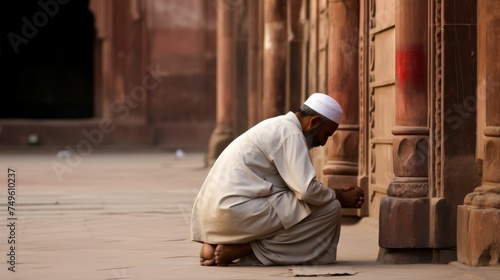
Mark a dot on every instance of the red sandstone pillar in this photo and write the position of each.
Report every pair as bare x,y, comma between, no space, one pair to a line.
275,52
295,86
478,229
240,92
255,75
226,77
343,81
404,213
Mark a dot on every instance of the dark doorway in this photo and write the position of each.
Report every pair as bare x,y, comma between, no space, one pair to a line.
46,59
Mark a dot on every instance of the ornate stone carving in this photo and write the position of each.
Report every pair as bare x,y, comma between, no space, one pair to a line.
371,78
372,14
488,194
437,98
411,137
411,151
482,199
363,91
408,187
411,156
491,160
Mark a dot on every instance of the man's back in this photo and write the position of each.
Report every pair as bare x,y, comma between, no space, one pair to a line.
255,172
261,196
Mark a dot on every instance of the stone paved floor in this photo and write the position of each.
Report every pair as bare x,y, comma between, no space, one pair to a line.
120,214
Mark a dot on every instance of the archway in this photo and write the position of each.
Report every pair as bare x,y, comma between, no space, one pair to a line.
46,60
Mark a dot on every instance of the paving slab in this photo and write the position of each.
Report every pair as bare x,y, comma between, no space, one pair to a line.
124,214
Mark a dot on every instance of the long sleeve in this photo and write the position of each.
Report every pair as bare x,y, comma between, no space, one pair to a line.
293,162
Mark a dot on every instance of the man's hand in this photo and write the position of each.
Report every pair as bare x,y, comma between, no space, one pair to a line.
350,196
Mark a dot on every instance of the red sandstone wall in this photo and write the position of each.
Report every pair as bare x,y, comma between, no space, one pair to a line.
177,110
182,41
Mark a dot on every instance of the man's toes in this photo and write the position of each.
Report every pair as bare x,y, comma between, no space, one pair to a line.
219,260
208,262
221,263
205,262
207,253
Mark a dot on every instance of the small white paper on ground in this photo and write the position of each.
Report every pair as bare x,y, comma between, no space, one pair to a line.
320,271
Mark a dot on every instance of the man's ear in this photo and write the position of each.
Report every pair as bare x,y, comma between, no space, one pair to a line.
315,122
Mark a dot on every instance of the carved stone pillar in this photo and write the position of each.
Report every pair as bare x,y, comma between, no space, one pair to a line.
404,213
226,76
478,230
343,49
275,52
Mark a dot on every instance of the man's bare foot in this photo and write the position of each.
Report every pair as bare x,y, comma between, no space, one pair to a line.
207,254
225,254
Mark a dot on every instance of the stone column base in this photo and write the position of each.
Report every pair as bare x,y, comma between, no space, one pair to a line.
404,256
478,236
404,223
221,137
410,256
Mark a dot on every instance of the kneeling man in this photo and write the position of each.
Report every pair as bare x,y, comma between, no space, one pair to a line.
261,202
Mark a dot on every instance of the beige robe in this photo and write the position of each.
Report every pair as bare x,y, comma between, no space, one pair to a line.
261,186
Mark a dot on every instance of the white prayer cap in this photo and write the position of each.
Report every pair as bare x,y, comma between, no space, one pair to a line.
326,106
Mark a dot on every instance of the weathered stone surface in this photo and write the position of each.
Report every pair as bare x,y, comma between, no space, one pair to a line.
404,256
491,165
442,228
408,187
404,214
404,223
478,220
444,256
411,155
478,236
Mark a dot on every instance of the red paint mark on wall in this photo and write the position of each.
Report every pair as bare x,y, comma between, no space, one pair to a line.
411,67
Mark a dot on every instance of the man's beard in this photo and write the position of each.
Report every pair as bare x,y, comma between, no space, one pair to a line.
310,135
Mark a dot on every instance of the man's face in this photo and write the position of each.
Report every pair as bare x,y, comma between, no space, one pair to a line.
319,132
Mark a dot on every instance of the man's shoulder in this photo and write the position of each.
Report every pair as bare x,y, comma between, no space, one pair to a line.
287,122
272,132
